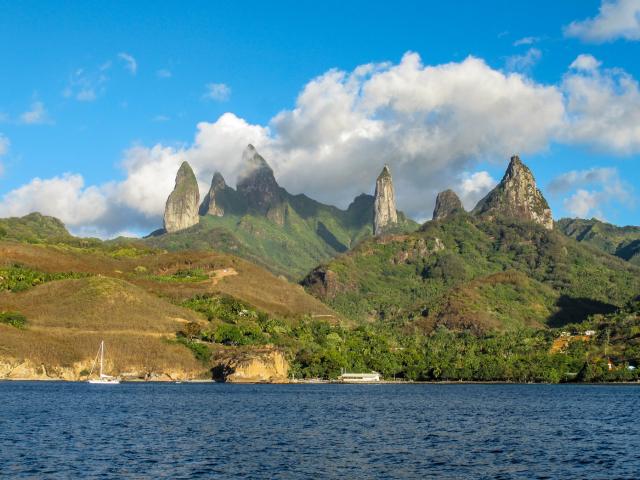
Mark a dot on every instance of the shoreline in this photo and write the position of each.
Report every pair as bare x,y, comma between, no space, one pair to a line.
324,382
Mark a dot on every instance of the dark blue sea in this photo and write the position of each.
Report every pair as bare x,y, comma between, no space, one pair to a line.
74,430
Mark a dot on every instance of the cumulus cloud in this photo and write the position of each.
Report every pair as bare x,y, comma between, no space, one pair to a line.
217,91
129,62
65,197
473,187
36,115
585,62
616,19
592,190
524,62
429,122
603,107
164,73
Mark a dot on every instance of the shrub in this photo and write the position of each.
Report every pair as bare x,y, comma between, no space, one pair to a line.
14,319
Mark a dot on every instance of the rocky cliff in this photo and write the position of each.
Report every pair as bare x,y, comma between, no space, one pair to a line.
257,184
516,196
447,204
255,365
181,209
385,214
211,205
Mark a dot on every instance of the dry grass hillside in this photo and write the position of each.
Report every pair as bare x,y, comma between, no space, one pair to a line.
153,272
130,299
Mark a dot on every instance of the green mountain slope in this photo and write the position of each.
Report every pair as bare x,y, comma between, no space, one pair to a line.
470,273
33,228
623,242
262,222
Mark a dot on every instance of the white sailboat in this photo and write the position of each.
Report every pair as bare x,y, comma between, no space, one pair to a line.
103,379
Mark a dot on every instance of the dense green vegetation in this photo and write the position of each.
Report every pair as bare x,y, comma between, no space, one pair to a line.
623,242
317,348
465,270
17,278
15,319
33,228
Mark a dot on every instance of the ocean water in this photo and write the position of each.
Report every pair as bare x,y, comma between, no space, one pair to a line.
74,430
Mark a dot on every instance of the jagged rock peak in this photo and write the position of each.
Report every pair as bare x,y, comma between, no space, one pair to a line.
257,183
447,204
181,209
517,196
210,204
384,207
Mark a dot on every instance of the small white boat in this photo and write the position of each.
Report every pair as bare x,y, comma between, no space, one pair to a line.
103,379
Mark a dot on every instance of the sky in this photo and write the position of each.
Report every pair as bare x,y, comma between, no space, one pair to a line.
100,102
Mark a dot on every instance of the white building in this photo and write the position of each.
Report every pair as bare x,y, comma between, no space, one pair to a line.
359,377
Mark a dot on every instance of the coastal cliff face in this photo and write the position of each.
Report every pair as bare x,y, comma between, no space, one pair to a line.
181,209
24,369
447,204
265,365
516,196
385,213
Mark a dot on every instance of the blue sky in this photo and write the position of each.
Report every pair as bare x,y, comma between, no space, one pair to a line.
101,100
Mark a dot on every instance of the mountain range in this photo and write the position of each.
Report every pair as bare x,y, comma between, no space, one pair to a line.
211,293
261,221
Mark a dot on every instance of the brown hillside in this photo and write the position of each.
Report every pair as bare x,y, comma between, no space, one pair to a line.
252,284
67,319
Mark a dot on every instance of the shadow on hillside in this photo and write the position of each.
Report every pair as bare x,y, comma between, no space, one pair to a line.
324,233
576,310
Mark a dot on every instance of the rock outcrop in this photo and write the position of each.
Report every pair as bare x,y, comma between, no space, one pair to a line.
384,211
211,204
447,204
257,184
181,210
516,196
264,365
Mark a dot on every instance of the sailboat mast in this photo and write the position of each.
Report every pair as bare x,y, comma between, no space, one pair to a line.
101,356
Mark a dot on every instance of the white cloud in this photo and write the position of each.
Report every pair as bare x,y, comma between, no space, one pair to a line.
585,62
603,107
581,178
161,118
65,197
36,115
593,190
526,41
474,186
524,62
217,91
429,122
164,73
129,61
616,19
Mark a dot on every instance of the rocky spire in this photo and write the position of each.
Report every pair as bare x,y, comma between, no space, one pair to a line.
181,210
211,204
517,196
447,204
256,182
384,206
